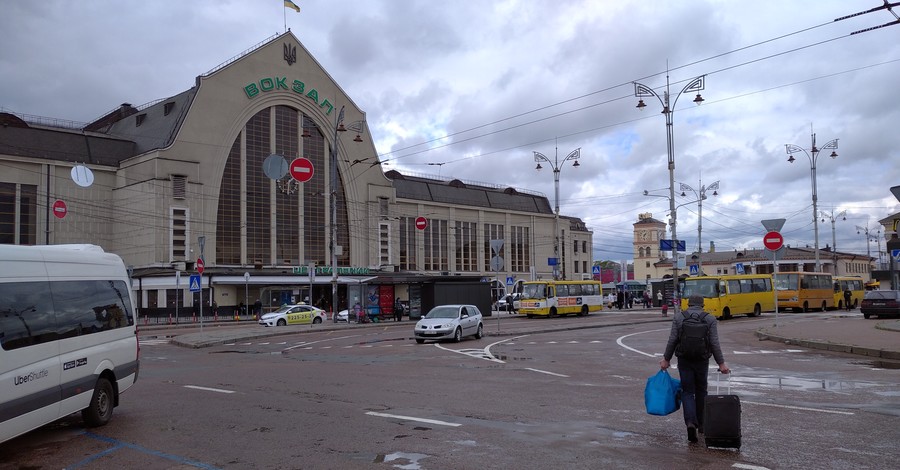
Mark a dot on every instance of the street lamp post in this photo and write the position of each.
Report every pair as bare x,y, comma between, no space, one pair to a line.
557,165
701,195
641,91
833,217
813,155
876,236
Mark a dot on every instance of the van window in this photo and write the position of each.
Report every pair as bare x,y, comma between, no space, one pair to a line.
37,312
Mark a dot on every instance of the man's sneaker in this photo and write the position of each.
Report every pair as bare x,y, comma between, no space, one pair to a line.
692,433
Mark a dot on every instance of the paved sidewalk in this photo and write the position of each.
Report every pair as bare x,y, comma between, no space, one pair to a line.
851,334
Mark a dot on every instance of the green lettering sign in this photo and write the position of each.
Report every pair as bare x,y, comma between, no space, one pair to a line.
267,84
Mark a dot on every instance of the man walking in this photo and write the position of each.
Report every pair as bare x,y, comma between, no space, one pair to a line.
693,339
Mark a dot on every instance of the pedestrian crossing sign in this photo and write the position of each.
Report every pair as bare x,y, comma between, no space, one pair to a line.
895,254
695,270
195,283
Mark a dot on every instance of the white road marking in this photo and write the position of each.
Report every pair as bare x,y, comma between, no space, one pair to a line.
219,390
412,418
305,343
153,342
801,408
620,343
749,467
545,372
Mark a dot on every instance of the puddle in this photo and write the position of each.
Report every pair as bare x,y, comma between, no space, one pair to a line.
880,364
793,383
404,460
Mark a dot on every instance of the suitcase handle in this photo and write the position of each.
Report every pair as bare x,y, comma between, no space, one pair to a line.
718,377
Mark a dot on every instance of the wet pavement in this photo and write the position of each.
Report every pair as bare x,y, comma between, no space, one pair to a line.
846,333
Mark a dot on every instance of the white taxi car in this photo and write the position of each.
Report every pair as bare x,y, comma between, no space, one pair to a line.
293,315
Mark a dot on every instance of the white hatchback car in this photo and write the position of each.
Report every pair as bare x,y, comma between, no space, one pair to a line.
450,322
293,315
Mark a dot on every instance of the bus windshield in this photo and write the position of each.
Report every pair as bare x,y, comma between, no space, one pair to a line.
534,291
786,281
707,288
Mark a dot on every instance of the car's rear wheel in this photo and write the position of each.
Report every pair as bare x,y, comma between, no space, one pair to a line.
457,335
866,316
480,333
420,340
100,411
281,322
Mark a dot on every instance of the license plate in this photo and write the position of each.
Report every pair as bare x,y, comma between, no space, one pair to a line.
878,304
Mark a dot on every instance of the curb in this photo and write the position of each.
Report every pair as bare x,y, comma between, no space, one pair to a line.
827,346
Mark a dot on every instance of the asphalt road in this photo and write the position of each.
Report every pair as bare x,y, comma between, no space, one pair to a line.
372,398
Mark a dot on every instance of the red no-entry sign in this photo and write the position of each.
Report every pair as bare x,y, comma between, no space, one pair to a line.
421,223
199,265
302,169
59,209
773,241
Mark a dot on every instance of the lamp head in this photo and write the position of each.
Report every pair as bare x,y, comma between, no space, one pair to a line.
538,167
341,128
641,105
698,99
683,194
791,159
576,163
715,193
833,154
357,138
646,192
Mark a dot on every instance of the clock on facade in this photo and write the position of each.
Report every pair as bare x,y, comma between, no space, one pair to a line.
645,235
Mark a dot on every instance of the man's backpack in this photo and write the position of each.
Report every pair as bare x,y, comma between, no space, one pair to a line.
694,341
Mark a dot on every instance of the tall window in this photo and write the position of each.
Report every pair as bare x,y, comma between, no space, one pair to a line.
408,244
384,243
491,232
466,248
179,233
278,130
436,246
18,214
519,254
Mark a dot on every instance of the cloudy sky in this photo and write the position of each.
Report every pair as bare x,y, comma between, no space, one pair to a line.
471,88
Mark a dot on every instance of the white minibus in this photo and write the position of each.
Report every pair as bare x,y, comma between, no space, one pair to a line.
68,340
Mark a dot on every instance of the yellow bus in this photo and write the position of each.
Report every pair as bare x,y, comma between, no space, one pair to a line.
804,291
728,295
552,298
842,283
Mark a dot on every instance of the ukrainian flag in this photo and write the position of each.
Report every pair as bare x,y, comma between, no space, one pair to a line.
291,5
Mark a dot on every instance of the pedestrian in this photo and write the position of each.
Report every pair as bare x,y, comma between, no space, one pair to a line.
358,311
257,308
659,297
398,310
848,295
620,299
629,299
693,339
646,297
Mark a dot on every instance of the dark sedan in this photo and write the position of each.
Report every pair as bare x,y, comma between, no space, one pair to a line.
880,303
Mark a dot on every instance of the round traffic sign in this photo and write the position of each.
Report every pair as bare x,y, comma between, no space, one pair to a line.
59,209
421,223
199,265
773,241
302,169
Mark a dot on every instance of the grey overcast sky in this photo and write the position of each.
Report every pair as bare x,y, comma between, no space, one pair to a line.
471,88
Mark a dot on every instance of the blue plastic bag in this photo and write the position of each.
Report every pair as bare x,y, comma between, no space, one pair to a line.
662,395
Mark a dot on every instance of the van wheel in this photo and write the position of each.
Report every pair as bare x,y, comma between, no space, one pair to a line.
480,333
457,336
281,322
317,320
726,314
100,411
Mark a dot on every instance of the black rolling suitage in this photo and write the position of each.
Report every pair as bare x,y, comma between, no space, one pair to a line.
722,419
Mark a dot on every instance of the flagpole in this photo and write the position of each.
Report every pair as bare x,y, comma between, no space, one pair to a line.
284,13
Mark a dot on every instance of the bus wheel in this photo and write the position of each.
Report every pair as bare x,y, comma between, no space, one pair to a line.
855,304
756,311
840,305
805,307
529,315
824,307
553,312
584,311
726,314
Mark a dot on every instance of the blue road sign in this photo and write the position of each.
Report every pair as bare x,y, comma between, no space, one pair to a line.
195,283
695,270
595,270
666,245
510,280
895,254
552,261
739,268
